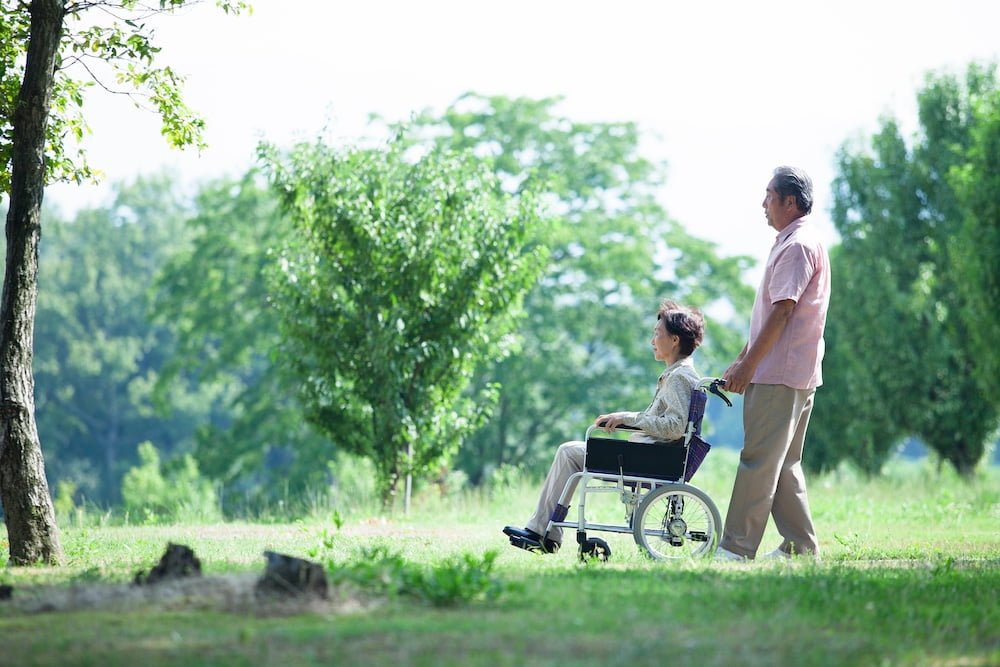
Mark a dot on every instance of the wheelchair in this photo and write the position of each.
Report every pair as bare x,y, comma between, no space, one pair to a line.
667,516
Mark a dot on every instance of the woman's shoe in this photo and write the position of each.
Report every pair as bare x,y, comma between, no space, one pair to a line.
525,538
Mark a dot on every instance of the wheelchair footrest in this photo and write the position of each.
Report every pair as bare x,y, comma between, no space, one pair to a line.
531,545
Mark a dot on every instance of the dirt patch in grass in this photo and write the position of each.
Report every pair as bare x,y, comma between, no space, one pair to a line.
231,593
228,593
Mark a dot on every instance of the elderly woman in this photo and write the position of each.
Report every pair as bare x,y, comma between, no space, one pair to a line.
678,333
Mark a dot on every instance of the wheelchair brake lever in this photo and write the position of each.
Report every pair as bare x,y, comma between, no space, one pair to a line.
714,388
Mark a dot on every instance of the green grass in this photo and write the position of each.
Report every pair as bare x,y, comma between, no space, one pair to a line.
910,575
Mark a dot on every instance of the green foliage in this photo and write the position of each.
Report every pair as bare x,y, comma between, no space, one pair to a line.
857,418
900,359
158,494
585,323
64,503
614,255
214,294
407,269
974,251
352,482
97,357
115,51
13,40
382,572
457,579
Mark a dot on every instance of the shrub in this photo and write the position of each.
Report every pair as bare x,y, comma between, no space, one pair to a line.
457,579
180,495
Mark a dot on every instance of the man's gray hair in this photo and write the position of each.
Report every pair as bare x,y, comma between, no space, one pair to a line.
796,182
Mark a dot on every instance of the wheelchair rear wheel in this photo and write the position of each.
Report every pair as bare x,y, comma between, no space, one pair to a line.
677,521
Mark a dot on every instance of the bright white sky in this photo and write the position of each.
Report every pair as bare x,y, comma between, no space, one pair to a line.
725,90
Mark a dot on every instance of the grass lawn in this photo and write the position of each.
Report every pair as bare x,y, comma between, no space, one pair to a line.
910,575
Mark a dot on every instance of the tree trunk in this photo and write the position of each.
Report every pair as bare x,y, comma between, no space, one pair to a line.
388,488
24,491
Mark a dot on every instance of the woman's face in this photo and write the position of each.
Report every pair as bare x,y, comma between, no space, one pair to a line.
665,344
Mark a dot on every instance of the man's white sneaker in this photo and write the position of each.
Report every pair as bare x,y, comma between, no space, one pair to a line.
777,554
726,554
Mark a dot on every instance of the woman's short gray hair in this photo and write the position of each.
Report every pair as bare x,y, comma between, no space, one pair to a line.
686,323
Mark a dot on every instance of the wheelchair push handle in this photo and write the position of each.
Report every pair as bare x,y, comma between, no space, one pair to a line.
714,385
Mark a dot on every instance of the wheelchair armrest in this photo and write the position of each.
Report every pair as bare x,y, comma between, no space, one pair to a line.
622,427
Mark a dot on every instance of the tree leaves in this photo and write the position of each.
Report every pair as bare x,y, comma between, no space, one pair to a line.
901,362
615,254
406,269
115,51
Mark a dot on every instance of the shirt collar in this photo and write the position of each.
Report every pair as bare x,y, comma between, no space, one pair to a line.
797,223
686,361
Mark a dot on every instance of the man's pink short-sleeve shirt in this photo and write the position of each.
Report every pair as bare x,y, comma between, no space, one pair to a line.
798,268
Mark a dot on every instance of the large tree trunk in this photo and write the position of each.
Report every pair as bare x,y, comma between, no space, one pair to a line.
27,505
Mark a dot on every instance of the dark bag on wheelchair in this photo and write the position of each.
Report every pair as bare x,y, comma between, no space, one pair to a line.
662,459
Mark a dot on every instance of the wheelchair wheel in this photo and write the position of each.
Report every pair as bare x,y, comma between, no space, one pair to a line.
594,548
677,521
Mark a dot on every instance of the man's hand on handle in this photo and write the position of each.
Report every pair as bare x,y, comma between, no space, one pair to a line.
738,377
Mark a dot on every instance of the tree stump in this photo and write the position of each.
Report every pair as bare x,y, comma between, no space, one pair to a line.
290,576
177,562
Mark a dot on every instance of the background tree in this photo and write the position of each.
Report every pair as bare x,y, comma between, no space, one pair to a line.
974,251
227,326
405,270
900,354
28,512
41,110
98,357
216,297
615,254
958,422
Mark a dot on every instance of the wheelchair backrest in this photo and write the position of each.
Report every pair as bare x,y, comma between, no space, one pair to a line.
697,411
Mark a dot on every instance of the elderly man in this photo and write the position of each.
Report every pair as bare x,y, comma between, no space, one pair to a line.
778,372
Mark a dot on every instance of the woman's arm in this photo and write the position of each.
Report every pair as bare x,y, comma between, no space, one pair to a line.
665,418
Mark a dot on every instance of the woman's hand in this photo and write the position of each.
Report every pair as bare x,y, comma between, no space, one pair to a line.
610,422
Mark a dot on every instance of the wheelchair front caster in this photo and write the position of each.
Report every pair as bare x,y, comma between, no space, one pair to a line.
594,548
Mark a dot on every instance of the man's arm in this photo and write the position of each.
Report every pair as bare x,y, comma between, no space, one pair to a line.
739,375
